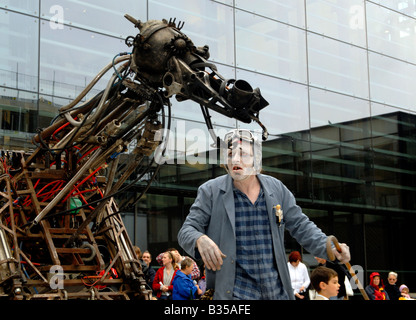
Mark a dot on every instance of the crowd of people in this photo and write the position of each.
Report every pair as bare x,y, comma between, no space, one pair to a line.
331,281
178,277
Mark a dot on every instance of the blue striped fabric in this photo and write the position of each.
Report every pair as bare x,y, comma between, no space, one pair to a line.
256,274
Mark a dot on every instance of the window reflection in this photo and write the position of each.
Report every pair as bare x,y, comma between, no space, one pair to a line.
206,23
394,160
391,33
337,66
340,19
29,7
288,103
279,49
329,108
392,81
292,12
19,54
407,7
104,16
18,119
71,58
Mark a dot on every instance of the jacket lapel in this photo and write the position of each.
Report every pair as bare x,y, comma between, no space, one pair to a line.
228,200
269,197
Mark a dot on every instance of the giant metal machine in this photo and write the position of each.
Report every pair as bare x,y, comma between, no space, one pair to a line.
61,234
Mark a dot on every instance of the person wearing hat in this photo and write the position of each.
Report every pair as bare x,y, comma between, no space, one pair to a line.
375,290
404,291
237,224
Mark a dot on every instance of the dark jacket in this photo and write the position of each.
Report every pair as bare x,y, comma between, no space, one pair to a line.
393,291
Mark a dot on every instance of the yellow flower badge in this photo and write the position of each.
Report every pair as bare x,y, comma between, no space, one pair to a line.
279,213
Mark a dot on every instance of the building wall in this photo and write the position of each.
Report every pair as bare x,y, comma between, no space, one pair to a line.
338,76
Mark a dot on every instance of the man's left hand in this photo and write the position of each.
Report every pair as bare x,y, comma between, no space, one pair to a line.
344,256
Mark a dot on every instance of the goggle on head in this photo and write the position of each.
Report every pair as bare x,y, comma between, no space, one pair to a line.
242,146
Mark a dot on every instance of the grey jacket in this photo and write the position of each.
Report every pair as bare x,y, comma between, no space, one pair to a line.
213,214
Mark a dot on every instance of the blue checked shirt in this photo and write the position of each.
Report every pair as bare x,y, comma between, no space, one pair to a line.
256,273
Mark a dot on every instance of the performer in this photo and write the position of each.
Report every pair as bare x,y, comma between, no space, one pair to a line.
237,223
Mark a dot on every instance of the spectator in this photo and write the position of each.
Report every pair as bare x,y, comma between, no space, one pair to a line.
375,290
299,276
404,291
342,274
162,284
195,274
391,287
184,287
325,282
150,275
202,281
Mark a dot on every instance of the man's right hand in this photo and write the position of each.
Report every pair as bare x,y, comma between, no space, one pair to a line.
210,253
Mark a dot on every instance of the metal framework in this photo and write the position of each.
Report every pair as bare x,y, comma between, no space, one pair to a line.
61,234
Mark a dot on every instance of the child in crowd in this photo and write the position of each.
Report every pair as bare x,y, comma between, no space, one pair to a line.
325,282
183,286
404,290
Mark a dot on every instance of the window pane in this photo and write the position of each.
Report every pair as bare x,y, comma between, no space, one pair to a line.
270,47
291,12
407,7
18,52
392,81
340,173
328,108
71,58
206,23
96,15
288,103
340,19
26,6
337,66
287,158
391,33
394,158
17,115
341,160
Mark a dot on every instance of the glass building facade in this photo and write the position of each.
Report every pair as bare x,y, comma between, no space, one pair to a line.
338,75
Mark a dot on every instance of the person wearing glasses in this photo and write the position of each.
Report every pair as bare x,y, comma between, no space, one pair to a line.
237,223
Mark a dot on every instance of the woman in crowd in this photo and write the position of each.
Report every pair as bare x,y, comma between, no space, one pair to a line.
299,276
375,290
162,284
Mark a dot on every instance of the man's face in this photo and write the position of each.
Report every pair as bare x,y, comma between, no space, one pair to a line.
240,159
146,258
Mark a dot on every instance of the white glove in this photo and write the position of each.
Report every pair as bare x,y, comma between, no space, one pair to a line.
343,256
210,253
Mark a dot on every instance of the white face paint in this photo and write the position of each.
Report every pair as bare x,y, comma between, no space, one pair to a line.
240,160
